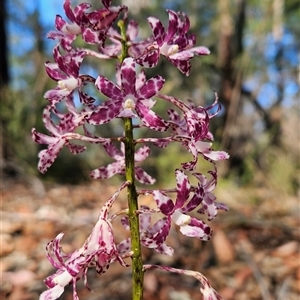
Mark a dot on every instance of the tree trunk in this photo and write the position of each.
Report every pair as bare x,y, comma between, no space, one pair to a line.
4,74
230,49
4,78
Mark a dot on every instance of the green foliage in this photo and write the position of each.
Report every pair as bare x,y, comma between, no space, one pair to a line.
16,117
282,172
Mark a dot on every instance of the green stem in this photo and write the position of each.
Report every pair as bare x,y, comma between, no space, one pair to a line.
124,51
132,196
137,263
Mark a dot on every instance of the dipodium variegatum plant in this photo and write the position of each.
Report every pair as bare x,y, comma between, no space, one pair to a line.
71,112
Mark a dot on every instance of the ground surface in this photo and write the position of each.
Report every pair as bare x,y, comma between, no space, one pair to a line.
254,253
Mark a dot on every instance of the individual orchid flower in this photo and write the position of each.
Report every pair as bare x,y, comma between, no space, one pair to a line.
118,167
195,120
129,96
192,130
99,250
189,226
61,135
151,236
204,195
65,71
67,32
174,43
92,25
203,200
97,23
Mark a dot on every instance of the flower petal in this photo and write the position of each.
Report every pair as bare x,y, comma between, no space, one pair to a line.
104,113
113,151
158,30
140,80
108,171
157,234
151,87
124,246
142,153
48,156
53,293
109,89
150,119
184,66
149,58
172,26
143,177
41,138
128,76
164,203
183,188
198,229
145,219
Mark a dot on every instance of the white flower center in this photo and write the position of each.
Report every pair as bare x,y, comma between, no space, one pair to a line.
68,84
180,219
72,28
129,103
168,50
63,279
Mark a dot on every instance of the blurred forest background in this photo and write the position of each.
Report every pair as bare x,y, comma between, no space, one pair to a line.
253,66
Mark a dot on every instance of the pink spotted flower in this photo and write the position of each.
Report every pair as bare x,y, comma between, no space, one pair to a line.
65,71
178,211
61,134
131,95
204,199
67,32
98,251
118,167
193,130
152,236
174,43
91,25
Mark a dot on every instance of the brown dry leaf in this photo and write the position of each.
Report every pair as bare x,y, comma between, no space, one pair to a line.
7,244
150,282
241,276
293,261
223,248
286,249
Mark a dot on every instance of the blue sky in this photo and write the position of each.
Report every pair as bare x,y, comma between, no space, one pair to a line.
18,34
20,38
48,9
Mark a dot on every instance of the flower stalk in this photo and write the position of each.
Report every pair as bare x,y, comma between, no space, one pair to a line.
124,49
132,197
